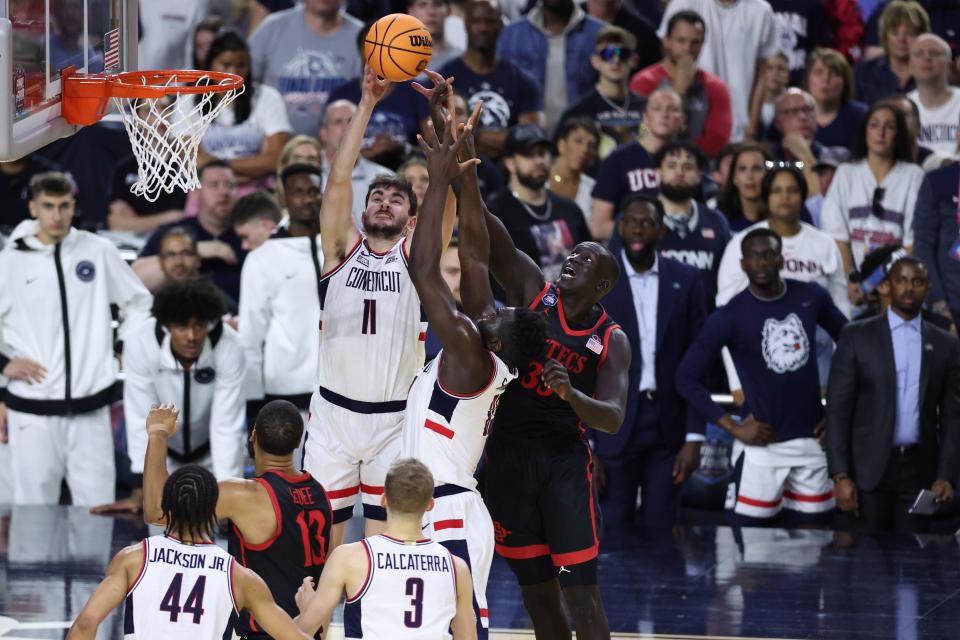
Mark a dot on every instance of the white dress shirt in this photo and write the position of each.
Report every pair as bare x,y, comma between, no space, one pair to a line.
645,288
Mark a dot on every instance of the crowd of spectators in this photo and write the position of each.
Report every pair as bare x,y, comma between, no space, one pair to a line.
777,179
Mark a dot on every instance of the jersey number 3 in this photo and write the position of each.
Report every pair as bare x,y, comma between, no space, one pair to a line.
194,603
314,545
413,619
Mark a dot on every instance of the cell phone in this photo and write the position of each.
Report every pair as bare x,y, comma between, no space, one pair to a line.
925,504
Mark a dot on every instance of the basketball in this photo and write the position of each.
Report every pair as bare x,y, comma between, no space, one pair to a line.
398,47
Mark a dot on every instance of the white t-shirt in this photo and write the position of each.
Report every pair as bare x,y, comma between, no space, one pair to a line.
848,208
268,116
938,127
738,35
167,32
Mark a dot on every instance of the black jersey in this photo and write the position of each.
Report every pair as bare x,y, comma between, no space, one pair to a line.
531,411
299,547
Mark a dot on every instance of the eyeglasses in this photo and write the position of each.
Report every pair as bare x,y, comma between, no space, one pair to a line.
609,53
877,206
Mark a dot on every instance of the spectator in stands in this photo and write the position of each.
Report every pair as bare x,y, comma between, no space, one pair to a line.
258,10
396,118
720,168
280,304
706,100
616,110
414,171
305,53
177,254
936,235
58,358
826,169
554,41
166,29
433,14
741,199
542,224
879,78
893,410
300,149
250,133
911,114
450,270
255,218
203,36
576,141
336,117
15,177
871,199
802,26
796,125
185,356
618,14
829,79
630,168
695,234
509,93
219,247
129,212
775,80
937,101
660,305
769,329
739,36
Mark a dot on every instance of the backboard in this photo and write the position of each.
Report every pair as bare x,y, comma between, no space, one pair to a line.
38,39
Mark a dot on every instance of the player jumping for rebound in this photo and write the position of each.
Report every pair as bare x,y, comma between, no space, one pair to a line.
180,585
453,400
372,330
398,584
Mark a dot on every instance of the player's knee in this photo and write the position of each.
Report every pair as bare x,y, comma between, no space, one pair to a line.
584,604
543,598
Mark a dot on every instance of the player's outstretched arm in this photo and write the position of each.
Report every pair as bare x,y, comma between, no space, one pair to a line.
109,594
161,425
317,605
252,594
464,625
338,232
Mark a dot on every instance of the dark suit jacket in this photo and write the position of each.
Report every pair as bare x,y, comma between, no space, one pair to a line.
681,312
862,396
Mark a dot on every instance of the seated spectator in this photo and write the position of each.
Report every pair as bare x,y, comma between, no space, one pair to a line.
795,125
936,236
165,32
695,234
706,100
396,118
720,169
616,13
255,218
576,142
186,356
741,198
802,27
554,41
775,80
129,212
872,198
219,247
336,117
826,169
203,36
510,94
884,76
911,113
937,101
258,10
414,171
616,110
630,168
15,177
829,79
305,53
300,149
250,133
542,224
433,14
893,415
177,254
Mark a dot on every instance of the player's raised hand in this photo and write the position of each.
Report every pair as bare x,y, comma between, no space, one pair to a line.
556,378
163,419
439,98
373,87
442,151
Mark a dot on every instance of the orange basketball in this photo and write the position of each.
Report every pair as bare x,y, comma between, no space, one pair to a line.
398,47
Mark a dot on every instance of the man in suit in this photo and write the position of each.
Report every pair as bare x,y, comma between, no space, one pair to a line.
893,409
660,305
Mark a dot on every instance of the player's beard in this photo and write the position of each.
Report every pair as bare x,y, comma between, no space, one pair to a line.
382,229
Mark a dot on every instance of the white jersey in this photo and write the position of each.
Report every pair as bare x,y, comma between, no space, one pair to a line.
410,592
938,126
372,329
446,431
183,591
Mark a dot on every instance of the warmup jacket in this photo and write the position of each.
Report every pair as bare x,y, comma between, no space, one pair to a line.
280,318
55,309
209,395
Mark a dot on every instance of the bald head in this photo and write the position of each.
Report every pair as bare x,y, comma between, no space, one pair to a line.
336,117
930,58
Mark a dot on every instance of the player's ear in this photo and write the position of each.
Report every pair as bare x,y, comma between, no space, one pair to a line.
603,286
383,500
495,344
430,505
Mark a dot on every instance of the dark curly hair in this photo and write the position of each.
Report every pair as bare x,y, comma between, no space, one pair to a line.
180,301
189,503
278,427
528,338
230,40
399,183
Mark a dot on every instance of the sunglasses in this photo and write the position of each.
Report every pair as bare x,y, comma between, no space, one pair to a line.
876,207
609,53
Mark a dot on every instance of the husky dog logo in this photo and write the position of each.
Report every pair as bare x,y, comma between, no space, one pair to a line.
785,344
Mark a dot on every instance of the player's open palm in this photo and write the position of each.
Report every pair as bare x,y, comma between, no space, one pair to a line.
442,149
162,418
753,432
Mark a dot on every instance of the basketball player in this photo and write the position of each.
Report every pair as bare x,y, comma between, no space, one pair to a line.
280,521
454,398
372,329
181,585
398,584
